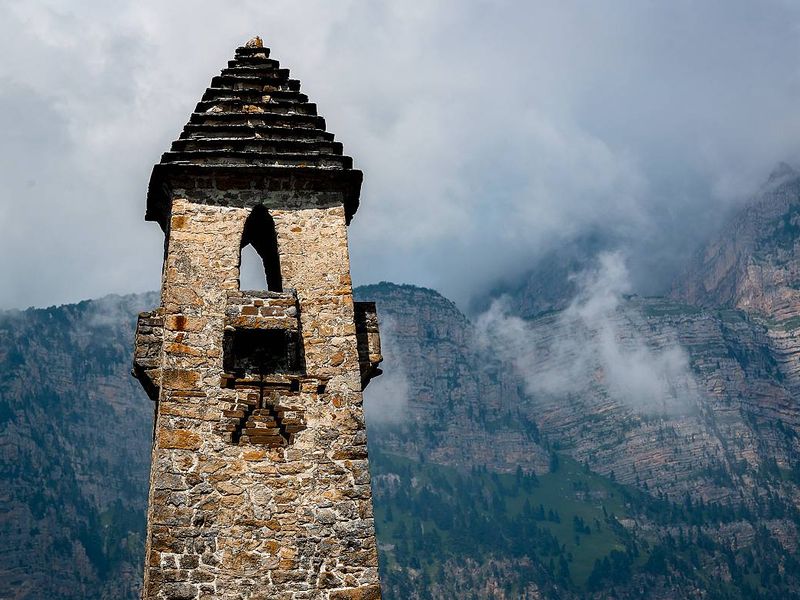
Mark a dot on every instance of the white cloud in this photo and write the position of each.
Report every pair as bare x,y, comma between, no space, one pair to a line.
595,344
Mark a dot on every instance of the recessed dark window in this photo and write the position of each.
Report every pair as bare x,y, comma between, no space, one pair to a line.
257,352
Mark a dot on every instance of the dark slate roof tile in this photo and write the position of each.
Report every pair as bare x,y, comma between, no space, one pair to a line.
255,99
253,127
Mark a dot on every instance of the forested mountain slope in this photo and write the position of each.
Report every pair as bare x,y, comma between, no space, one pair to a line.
75,433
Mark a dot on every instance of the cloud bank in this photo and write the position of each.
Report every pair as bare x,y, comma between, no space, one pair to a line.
594,343
489,131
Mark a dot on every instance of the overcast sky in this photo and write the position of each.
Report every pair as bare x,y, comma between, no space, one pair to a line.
488,130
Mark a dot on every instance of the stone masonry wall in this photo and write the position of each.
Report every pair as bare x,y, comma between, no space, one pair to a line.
231,519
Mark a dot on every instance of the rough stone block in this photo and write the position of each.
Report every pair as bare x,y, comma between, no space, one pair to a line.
368,592
180,379
180,438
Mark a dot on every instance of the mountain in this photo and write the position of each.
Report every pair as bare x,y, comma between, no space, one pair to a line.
486,485
442,399
753,265
549,283
579,443
682,492
682,407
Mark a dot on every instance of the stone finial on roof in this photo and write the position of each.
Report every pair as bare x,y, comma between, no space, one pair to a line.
255,42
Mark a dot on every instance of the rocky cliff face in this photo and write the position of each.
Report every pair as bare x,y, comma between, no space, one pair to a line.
75,431
442,398
689,400
689,407
752,263
707,378
706,400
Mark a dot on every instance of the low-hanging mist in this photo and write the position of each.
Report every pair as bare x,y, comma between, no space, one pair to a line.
592,344
386,398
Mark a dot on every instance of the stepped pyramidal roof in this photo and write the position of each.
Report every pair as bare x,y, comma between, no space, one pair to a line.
253,120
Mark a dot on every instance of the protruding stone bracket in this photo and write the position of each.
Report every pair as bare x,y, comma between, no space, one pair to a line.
270,411
368,338
149,341
268,417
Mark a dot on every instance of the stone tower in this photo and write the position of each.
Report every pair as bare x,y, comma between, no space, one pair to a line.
260,485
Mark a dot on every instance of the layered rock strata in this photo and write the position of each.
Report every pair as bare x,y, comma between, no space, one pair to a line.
752,264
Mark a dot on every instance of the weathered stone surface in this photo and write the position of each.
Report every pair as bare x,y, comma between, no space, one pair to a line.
180,438
259,411
370,592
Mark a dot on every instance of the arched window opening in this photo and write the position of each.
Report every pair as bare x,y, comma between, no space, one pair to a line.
260,262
